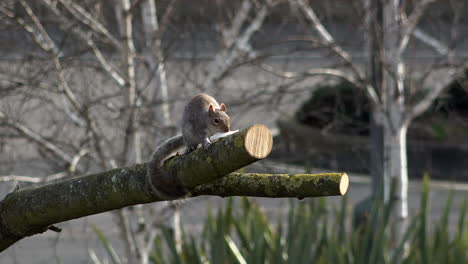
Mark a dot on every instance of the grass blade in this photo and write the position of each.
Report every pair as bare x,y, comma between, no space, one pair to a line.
234,250
171,244
110,250
93,256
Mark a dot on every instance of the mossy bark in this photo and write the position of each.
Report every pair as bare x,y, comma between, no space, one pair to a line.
222,157
30,211
276,185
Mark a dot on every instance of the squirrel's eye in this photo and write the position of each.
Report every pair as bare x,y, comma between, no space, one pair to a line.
216,120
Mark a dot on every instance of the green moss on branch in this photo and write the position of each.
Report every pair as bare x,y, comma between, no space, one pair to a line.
31,211
276,185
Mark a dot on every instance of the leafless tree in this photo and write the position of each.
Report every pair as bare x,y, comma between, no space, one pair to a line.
98,82
391,26
91,91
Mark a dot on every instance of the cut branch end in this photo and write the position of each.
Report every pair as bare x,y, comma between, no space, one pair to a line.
258,141
344,183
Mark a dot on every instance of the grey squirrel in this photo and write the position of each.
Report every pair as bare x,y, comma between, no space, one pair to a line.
202,118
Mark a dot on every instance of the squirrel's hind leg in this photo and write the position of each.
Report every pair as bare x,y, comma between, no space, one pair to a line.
190,149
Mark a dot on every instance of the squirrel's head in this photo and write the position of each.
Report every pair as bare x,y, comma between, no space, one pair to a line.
219,120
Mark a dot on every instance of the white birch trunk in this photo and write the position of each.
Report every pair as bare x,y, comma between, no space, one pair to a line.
396,167
395,127
390,32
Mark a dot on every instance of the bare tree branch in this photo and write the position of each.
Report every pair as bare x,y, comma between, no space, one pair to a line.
423,104
85,17
30,179
327,37
312,72
64,83
132,134
410,23
86,37
226,58
35,137
230,34
432,42
157,61
35,34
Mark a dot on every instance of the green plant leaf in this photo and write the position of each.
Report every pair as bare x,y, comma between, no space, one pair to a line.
110,250
171,244
234,250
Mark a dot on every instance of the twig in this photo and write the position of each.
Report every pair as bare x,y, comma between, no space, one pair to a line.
30,179
240,43
83,16
410,23
86,37
55,229
35,137
327,37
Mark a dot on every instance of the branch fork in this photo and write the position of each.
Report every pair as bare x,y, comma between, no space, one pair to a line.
30,211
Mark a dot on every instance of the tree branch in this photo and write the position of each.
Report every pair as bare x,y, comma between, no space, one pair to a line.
37,138
155,55
411,22
423,104
31,211
237,43
312,72
85,17
432,42
30,179
338,50
86,36
276,185
50,46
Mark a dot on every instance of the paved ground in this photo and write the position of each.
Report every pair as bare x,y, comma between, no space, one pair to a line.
74,243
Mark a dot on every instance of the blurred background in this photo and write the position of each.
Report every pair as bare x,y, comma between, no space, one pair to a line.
377,89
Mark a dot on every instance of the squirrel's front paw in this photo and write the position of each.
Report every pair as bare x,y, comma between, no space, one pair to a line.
206,145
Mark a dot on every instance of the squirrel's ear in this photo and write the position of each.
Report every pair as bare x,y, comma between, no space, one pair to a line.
211,109
223,107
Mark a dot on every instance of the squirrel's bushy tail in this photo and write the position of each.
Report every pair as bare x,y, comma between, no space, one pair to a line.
162,182
166,150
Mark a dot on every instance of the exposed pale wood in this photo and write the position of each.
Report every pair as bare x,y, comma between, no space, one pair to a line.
258,141
344,184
